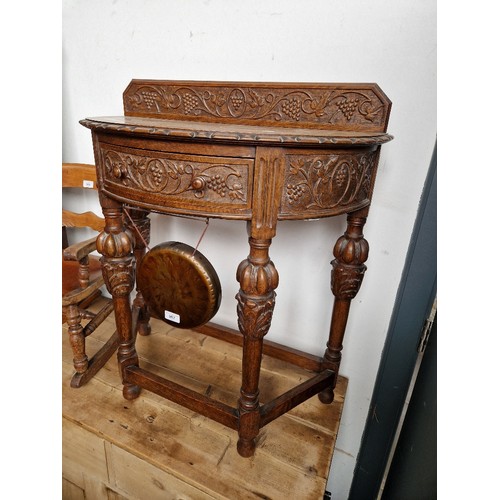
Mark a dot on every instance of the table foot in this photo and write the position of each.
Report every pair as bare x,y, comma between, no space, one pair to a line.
131,392
246,447
326,396
144,329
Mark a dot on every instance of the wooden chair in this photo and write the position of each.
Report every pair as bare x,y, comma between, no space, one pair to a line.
82,280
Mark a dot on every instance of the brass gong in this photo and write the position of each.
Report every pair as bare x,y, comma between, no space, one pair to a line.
179,285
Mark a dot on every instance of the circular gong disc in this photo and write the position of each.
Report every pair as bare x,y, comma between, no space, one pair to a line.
179,288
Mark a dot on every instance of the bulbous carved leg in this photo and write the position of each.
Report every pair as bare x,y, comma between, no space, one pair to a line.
141,228
116,243
258,278
350,251
77,338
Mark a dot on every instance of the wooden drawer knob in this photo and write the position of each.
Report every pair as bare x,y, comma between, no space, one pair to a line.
198,183
117,171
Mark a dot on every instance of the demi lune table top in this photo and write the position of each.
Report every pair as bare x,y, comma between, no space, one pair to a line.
225,132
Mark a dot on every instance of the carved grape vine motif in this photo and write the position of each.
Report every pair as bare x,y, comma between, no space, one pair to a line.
327,181
175,177
292,108
285,105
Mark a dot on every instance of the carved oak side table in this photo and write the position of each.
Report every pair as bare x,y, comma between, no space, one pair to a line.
259,152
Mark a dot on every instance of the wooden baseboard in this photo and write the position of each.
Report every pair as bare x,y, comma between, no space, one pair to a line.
153,448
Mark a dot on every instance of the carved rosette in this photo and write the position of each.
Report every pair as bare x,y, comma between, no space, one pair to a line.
350,251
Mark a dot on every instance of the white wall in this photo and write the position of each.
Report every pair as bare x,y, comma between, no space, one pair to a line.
106,43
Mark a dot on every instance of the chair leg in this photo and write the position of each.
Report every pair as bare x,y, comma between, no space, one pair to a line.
101,357
77,338
97,361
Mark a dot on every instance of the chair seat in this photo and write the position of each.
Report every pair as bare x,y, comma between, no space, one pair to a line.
70,273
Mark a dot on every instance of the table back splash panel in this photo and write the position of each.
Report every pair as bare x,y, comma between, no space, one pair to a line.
361,107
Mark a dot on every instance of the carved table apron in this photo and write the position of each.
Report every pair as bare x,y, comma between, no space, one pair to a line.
249,151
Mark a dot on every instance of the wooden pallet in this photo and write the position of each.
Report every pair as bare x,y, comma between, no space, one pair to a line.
151,448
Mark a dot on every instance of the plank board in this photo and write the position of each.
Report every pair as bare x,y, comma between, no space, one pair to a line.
153,448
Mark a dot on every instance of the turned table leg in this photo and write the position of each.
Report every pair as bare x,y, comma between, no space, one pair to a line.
140,225
77,338
350,251
258,278
115,243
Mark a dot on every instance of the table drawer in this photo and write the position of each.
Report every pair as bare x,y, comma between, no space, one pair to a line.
169,182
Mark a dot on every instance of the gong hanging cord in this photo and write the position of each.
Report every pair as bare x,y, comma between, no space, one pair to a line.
207,222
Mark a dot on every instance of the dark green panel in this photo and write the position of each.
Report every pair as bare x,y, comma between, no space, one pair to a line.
414,300
413,471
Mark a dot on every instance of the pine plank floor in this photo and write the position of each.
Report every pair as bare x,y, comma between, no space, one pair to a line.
151,448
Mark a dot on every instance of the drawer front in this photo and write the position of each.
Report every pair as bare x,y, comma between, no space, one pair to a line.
325,184
171,182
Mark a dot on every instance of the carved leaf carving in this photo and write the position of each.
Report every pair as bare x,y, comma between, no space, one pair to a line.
119,276
254,315
346,280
